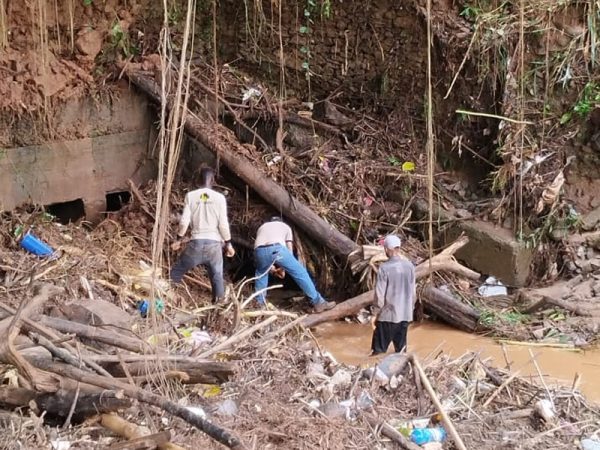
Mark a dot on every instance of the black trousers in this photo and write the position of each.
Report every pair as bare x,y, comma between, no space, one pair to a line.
386,332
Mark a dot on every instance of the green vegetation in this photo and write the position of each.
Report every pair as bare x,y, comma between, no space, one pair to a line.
312,8
588,100
512,317
120,40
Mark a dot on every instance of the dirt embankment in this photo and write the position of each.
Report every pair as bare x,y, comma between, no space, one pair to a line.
56,51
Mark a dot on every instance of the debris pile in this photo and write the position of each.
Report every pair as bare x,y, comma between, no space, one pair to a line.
78,355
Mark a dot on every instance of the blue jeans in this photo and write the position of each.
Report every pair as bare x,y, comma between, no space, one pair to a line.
264,257
202,252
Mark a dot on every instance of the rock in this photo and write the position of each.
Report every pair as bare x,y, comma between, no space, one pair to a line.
89,42
591,220
96,312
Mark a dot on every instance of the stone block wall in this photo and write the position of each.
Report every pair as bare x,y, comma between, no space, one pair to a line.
368,50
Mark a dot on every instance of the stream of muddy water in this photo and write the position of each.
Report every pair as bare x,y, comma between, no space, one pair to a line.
350,343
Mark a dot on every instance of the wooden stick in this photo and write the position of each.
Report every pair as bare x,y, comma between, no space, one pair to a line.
434,398
98,334
389,431
502,386
237,337
539,371
214,431
49,333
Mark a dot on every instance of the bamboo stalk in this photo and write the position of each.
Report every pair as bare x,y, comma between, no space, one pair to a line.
436,401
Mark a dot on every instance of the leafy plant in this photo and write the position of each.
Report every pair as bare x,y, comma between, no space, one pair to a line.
394,161
120,40
311,9
470,12
87,2
588,100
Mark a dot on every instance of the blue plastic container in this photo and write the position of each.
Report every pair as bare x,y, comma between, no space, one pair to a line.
422,436
34,245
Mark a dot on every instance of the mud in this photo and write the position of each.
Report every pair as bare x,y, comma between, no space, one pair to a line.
350,343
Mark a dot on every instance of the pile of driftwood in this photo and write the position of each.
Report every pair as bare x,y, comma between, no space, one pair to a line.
62,371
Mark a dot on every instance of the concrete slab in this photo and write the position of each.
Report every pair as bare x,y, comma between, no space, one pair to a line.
493,251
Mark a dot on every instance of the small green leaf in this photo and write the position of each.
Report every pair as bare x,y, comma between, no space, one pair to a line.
87,2
305,65
303,49
303,30
566,117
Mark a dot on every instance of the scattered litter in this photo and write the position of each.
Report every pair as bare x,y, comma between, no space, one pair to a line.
60,444
251,93
341,378
144,306
197,410
364,400
227,408
35,245
590,444
195,337
492,287
315,371
422,436
274,160
545,410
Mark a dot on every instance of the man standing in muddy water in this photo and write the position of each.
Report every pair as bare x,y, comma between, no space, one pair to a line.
274,245
206,210
394,299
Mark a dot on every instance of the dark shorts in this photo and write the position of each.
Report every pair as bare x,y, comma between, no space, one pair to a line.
386,332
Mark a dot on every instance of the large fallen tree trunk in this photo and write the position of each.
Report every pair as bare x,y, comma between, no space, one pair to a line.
225,146
223,143
446,307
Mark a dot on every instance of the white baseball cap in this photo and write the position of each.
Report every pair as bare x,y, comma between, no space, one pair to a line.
392,241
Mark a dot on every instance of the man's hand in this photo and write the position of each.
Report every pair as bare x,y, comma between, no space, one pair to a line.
176,246
229,250
374,322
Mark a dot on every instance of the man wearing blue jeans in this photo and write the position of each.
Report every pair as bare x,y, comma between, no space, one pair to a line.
273,248
206,210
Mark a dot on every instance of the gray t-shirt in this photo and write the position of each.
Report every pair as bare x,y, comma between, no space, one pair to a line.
273,233
395,290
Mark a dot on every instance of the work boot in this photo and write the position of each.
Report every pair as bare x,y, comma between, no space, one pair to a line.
323,306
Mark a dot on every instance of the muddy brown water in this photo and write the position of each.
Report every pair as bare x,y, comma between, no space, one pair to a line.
350,343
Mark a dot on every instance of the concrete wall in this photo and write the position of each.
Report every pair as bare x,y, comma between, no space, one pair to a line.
99,146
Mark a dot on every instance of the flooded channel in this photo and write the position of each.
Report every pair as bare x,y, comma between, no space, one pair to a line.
350,343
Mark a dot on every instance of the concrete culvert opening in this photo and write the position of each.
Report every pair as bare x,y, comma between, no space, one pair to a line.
116,200
67,212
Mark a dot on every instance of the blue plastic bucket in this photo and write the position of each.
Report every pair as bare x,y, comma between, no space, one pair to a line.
34,245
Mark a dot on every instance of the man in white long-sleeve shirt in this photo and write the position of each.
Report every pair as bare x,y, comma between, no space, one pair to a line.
206,211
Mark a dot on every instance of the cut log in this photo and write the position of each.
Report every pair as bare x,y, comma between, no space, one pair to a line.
98,334
445,306
209,372
450,310
57,405
219,434
228,149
